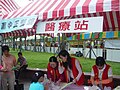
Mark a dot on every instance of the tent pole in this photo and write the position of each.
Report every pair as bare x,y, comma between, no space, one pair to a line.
35,43
0,57
59,42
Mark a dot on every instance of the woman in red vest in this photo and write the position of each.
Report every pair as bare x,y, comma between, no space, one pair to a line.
101,74
52,70
71,68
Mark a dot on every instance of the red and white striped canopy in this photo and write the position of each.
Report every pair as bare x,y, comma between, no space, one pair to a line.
65,9
18,33
61,8
7,6
23,33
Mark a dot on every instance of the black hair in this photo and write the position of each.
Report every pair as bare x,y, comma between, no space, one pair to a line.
53,59
19,53
65,53
36,76
5,47
100,61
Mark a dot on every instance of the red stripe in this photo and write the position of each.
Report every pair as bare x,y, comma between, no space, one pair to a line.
99,6
95,15
61,11
78,36
85,7
112,20
46,11
54,14
26,34
27,10
83,15
15,33
104,24
12,34
8,5
115,5
18,31
106,21
3,35
11,5
14,5
8,33
11,14
5,7
118,19
20,34
89,15
73,8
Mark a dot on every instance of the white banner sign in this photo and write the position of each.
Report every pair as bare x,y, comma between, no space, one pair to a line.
8,25
112,44
92,24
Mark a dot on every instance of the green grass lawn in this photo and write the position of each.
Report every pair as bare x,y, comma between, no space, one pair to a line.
40,60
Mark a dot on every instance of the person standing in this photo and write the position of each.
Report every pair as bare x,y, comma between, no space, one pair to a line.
71,68
101,74
8,76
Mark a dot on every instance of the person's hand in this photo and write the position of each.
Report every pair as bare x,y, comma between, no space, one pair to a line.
58,59
50,81
46,87
97,82
74,80
58,82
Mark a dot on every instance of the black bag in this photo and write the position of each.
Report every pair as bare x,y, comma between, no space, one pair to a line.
79,54
19,87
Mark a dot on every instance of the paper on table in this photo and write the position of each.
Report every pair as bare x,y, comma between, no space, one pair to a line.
66,85
117,88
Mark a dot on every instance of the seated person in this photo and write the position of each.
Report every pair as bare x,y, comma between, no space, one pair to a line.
22,61
52,70
71,68
36,83
22,65
101,74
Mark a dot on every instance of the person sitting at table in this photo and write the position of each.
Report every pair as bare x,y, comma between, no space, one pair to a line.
22,65
71,68
52,70
101,74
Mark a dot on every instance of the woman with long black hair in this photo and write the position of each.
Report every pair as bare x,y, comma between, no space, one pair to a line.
71,68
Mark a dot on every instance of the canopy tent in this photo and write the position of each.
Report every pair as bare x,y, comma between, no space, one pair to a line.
65,9
19,33
7,6
24,33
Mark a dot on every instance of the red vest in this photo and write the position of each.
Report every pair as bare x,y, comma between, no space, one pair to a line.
104,75
75,72
53,73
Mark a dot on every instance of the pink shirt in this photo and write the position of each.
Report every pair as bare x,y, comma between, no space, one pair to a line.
9,61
